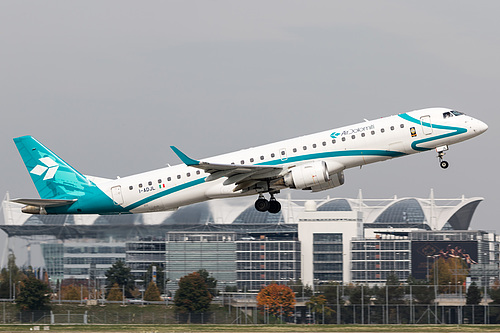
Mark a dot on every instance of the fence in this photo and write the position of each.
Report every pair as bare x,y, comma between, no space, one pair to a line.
345,305
351,314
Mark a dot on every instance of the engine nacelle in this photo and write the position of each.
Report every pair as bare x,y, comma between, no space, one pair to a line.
336,179
34,210
307,175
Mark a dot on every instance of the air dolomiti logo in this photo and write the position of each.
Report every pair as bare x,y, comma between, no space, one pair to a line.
48,168
351,131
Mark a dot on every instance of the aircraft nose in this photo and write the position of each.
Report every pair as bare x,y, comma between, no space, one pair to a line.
480,127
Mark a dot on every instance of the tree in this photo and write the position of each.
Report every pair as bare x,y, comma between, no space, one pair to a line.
71,292
160,277
495,292
152,294
193,294
120,274
448,272
210,281
277,299
9,278
473,295
332,292
359,294
115,293
318,305
392,293
299,289
421,291
34,295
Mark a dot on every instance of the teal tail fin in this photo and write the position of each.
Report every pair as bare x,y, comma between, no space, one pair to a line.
52,176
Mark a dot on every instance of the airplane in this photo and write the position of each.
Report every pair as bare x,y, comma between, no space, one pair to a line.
313,162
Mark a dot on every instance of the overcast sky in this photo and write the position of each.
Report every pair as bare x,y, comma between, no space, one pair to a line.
109,85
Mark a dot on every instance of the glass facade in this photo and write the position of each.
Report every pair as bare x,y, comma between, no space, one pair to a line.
327,257
188,252
53,254
80,257
336,205
260,262
373,260
140,255
404,211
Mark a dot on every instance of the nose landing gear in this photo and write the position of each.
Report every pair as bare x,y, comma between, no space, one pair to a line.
272,206
441,152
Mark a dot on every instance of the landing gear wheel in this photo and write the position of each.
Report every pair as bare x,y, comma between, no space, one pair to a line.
440,151
274,207
262,205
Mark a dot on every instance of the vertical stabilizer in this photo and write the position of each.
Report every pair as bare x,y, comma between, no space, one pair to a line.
52,176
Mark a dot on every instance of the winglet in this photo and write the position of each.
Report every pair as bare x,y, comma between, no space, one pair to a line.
184,158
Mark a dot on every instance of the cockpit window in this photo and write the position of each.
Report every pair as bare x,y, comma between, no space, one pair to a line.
449,114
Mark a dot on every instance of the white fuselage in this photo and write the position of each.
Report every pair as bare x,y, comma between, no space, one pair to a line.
341,148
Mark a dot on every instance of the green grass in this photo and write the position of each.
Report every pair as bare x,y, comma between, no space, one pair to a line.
256,328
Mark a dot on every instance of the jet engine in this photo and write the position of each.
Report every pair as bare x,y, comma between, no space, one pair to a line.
307,176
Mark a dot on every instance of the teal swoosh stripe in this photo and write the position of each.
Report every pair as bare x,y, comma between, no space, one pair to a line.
414,145
343,153
164,193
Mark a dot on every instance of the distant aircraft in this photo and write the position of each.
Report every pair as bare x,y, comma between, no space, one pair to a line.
313,162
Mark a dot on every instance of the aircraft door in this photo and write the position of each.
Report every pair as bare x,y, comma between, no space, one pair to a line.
283,154
116,195
425,121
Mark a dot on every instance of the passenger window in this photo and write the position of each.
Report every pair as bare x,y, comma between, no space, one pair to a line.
131,188
343,138
402,125
314,145
305,147
188,174
272,155
198,172
294,150
251,160
169,178
282,152
140,185
333,141
353,137
392,128
262,157
373,132
159,181
324,143
150,183
382,130
242,162
178,176
363,135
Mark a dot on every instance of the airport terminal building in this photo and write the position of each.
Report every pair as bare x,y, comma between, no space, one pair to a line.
347,240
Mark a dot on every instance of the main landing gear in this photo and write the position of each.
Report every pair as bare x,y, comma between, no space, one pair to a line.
263,205
441,151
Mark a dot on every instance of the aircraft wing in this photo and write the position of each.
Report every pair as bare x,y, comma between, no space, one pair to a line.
241,175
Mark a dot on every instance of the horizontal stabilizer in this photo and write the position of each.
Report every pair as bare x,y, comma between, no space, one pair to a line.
44,202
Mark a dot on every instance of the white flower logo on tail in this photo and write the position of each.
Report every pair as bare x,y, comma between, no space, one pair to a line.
49,168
